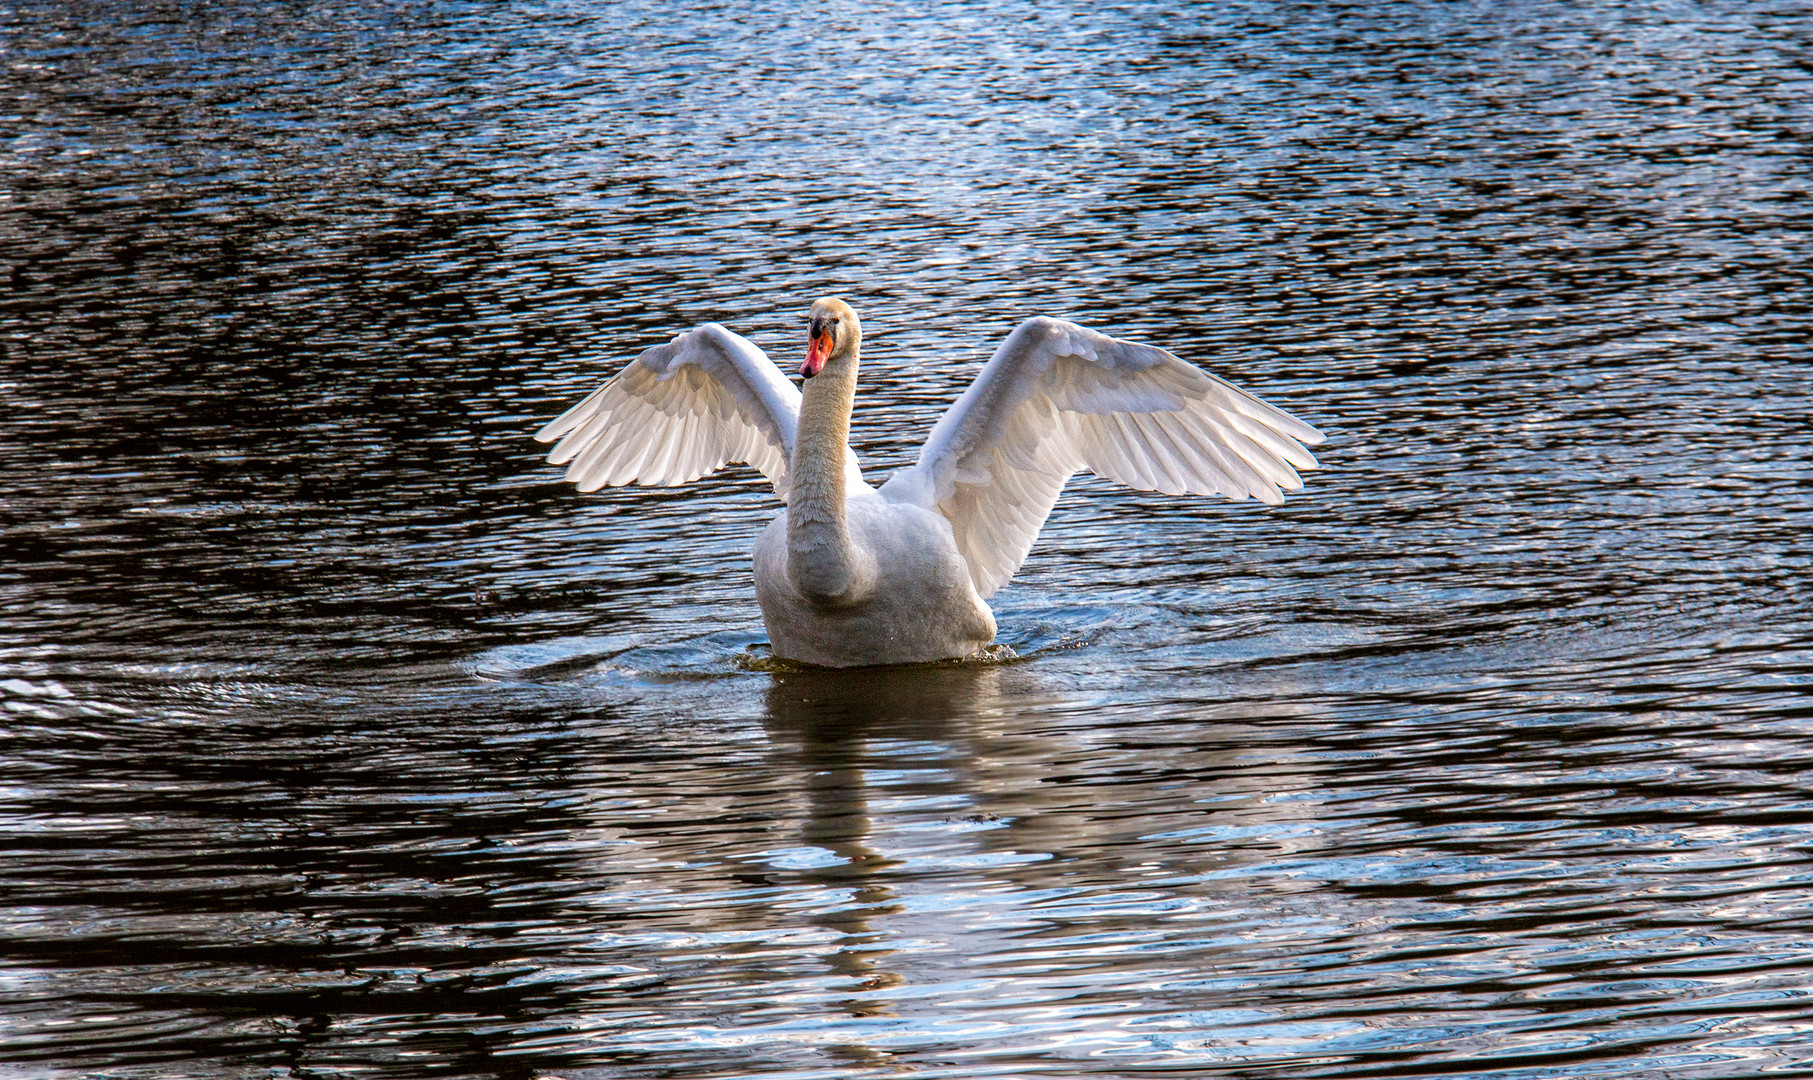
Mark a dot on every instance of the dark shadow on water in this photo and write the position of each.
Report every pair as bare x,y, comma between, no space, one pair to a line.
909,701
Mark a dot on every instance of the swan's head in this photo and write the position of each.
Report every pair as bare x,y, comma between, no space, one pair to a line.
832,333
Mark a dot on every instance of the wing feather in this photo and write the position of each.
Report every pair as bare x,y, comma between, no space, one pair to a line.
1199,455
680,410
1166,455
1056,398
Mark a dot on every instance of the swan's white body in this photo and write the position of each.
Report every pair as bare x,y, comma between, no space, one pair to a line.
849,574
919,604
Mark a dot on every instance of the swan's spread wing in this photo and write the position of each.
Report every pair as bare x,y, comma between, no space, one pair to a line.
679,411
1056,398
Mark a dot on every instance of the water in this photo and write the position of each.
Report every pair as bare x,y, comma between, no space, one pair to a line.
341,738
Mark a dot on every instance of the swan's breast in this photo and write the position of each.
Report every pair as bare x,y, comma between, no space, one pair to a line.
923,605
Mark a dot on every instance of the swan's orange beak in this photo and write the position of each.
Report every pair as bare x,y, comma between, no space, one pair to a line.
817,349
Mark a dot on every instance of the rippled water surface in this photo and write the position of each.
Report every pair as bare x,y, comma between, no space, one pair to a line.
340,737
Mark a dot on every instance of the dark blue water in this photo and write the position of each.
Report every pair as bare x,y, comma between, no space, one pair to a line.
341,738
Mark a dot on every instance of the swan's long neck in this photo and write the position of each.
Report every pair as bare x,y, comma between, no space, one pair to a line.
821,560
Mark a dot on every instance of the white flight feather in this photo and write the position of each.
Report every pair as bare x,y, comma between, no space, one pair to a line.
705,399
1056,398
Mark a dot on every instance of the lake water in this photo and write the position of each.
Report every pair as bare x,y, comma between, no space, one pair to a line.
341,738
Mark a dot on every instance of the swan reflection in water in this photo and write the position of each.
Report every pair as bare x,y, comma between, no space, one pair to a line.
826,725
919,778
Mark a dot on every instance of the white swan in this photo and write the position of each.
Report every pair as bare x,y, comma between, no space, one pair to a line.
849,574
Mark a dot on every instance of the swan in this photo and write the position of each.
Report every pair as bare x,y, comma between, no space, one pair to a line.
849,574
